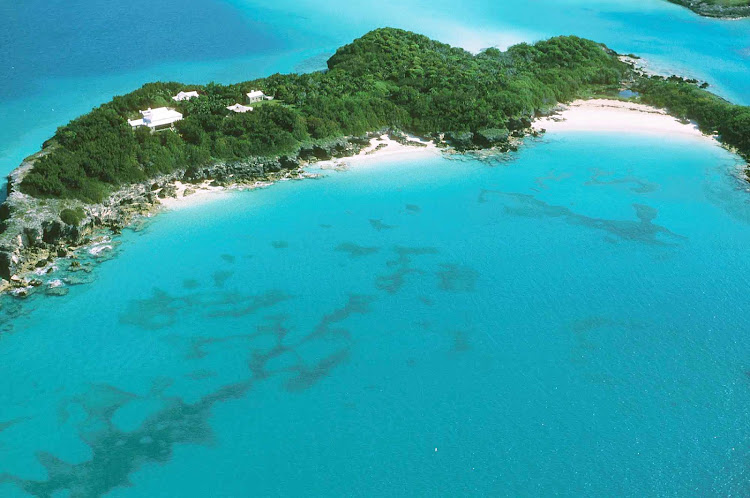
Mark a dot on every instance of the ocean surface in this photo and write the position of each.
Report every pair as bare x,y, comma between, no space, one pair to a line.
568,320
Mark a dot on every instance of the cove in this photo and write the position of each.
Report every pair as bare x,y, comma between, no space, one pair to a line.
564,321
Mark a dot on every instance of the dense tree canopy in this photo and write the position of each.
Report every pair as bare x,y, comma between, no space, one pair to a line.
713,114
388,78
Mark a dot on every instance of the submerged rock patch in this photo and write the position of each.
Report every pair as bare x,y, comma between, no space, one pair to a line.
356,250
643,231
380,226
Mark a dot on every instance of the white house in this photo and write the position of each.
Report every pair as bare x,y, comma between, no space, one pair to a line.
156,118
239,108
257,96
185,96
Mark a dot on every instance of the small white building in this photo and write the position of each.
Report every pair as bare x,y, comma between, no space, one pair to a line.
185,96
239,108
257,96
156,118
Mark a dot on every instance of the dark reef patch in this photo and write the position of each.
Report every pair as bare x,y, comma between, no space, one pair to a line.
158,311
190,283
201,374
356,250
457,278
280,244
356,305
236,305
394,281
221,277
643,231
541,181
413,208
162,309
460,341
228,258
380,226
638,185
11,423
307,375
116,454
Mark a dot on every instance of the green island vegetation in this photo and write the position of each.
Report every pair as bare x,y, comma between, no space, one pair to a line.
72,217
687,100
389,78
717,8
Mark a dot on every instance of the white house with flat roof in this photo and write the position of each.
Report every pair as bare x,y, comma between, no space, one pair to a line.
156,118
239,108
185,96
257,96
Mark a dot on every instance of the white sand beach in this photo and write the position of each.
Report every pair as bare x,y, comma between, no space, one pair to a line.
380,149
384,148
616,116
196,195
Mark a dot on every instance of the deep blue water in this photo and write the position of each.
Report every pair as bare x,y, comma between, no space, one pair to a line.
571,320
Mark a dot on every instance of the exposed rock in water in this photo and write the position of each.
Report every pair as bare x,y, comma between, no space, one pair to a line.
491,137
461,140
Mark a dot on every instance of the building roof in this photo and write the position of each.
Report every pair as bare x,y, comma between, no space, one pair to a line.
156,117
256,94
239,108
185,96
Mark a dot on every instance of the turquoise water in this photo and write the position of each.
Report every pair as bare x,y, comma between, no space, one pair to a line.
558,323
569,320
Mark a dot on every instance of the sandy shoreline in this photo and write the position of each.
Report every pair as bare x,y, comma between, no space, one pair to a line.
380,149
600,115
197,194
597,115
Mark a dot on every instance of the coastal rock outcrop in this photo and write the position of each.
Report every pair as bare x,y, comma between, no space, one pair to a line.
34,231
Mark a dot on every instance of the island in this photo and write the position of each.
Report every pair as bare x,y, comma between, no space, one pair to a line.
113,165
725,9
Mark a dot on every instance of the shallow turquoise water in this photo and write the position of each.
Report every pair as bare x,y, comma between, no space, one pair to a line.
558,323
572,320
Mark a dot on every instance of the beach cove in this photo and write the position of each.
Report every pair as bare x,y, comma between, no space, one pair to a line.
454,314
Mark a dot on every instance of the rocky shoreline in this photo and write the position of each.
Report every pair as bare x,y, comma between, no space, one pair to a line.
37,234
707,9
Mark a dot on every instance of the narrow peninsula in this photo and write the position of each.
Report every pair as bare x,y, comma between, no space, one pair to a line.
107,168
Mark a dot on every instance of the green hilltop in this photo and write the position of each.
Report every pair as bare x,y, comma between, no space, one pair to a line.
388,78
